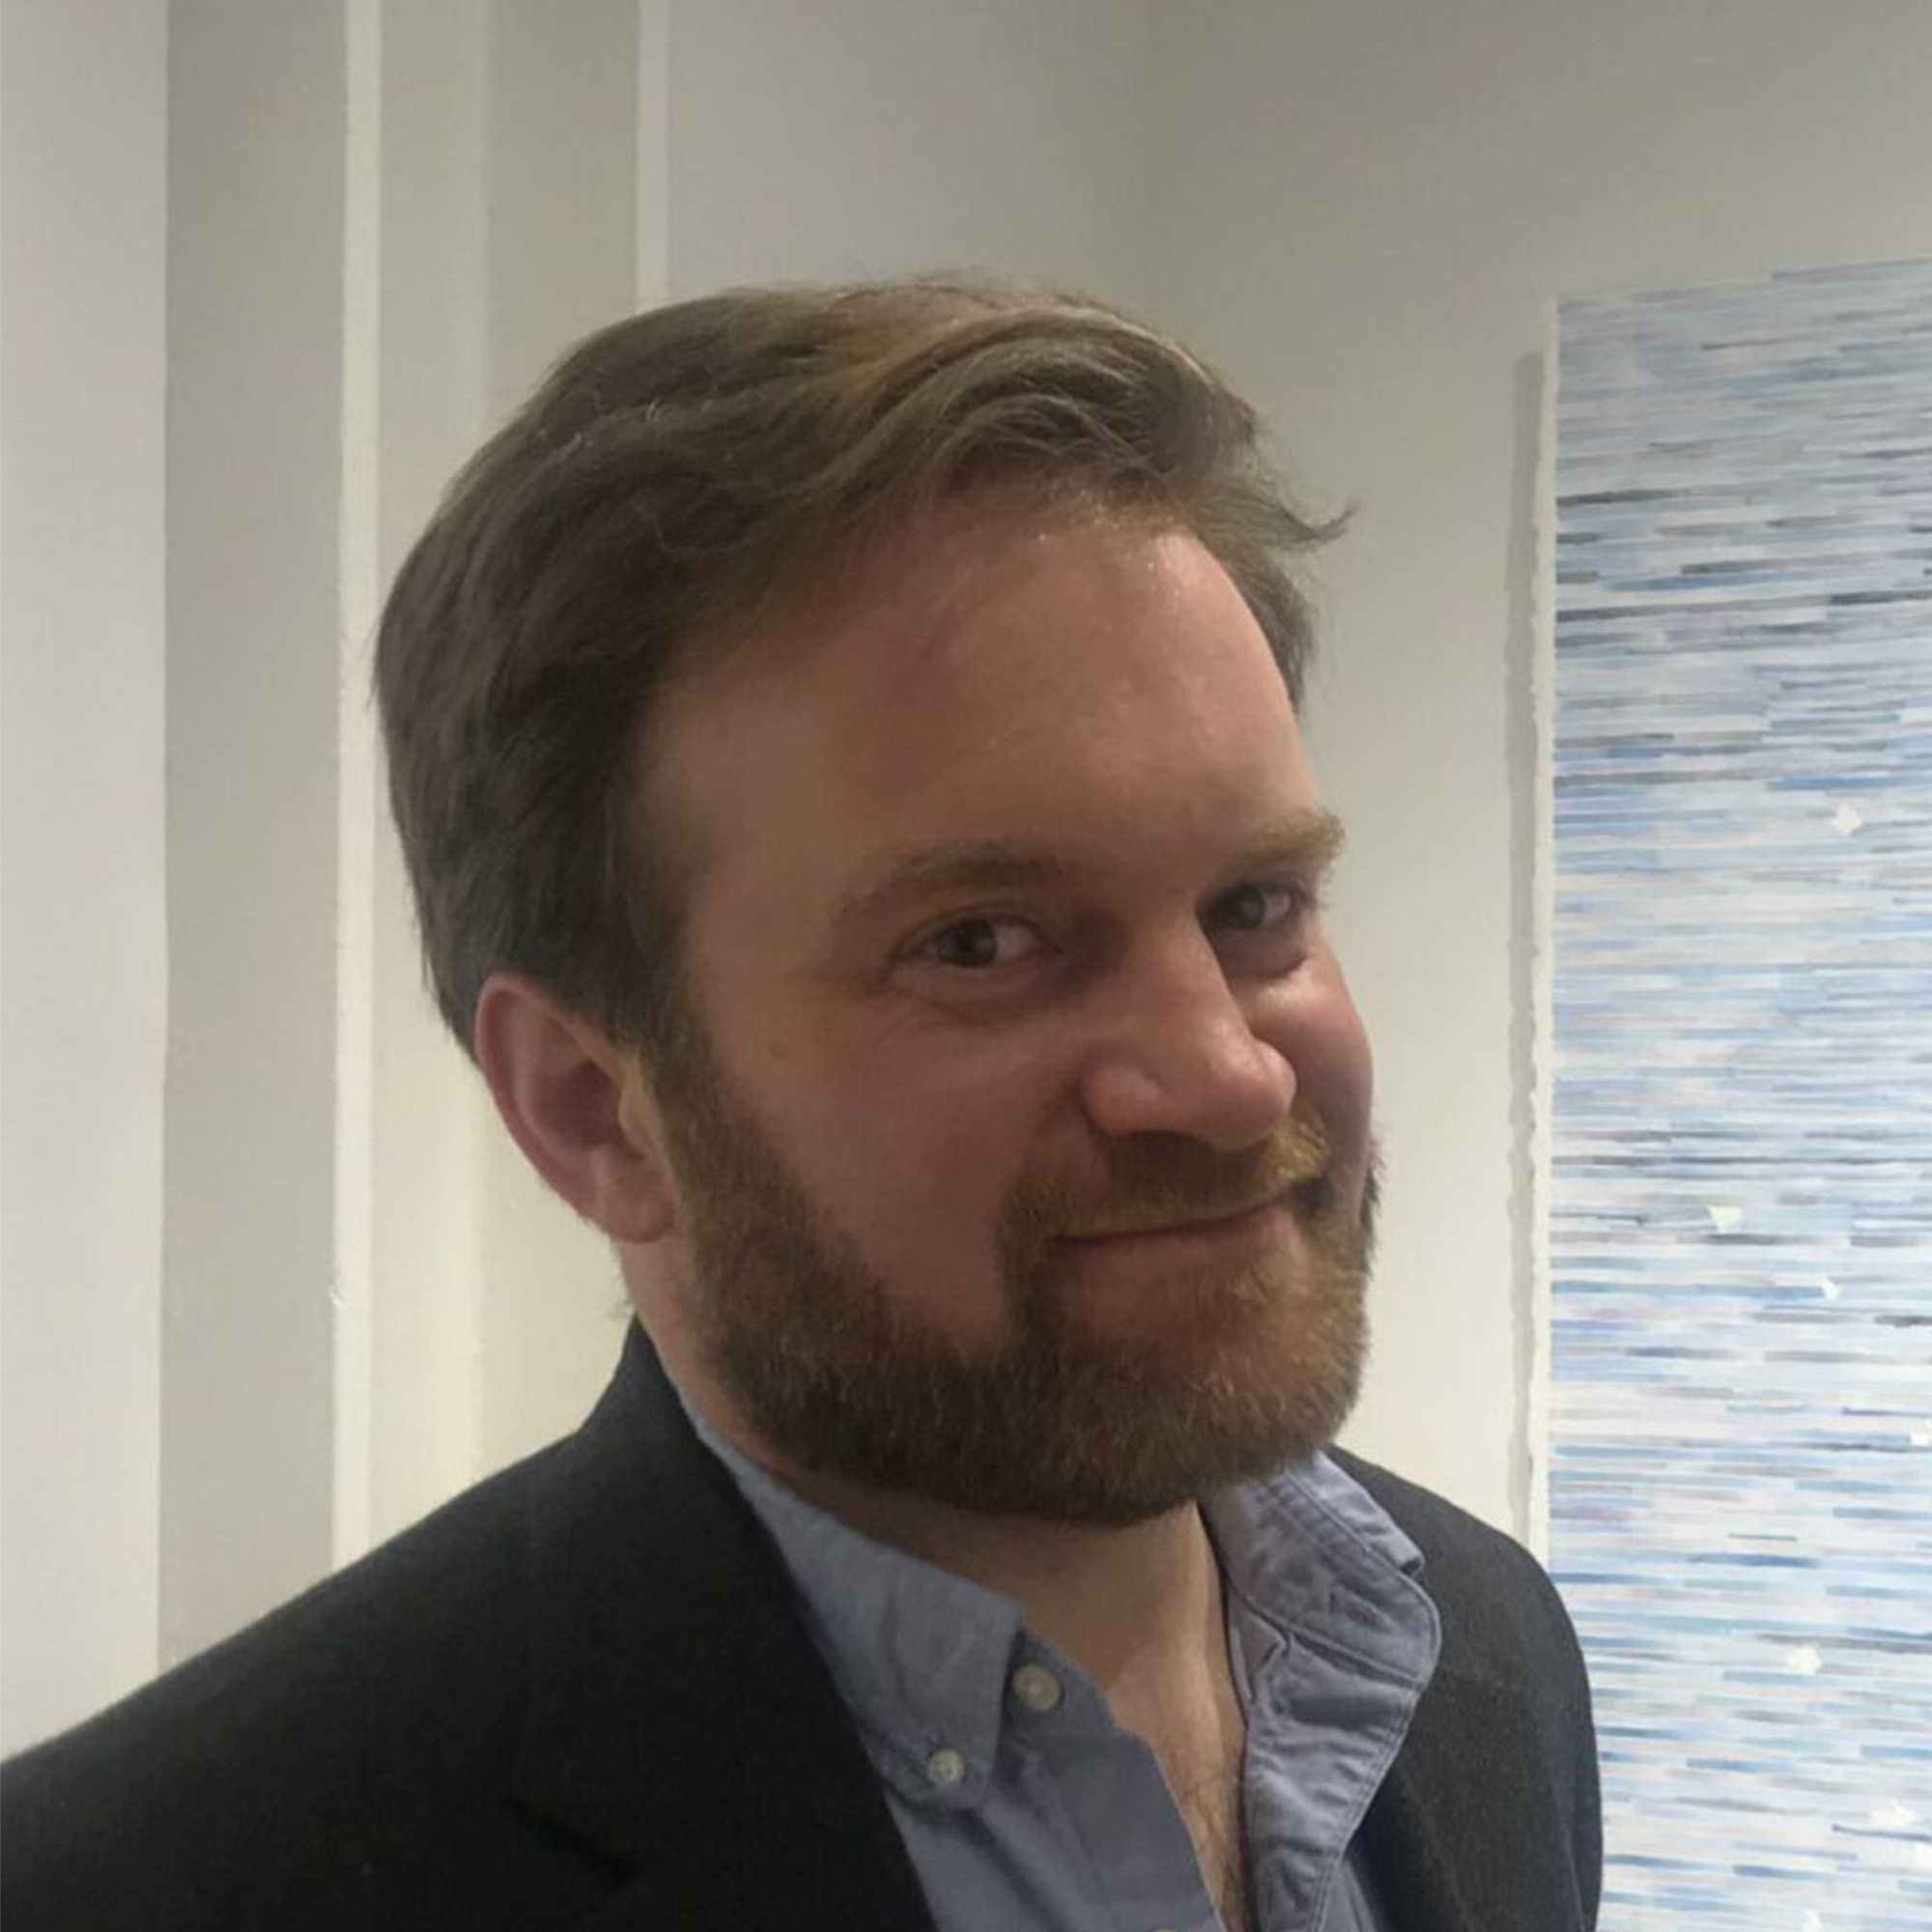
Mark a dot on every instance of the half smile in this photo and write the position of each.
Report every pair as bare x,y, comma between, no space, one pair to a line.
1234,1221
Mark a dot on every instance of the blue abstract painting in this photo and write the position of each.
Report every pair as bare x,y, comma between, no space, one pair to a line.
1737,1155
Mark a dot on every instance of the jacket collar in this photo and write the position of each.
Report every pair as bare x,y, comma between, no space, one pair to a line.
678,1713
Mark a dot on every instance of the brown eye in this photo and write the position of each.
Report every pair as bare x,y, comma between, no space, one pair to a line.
975,945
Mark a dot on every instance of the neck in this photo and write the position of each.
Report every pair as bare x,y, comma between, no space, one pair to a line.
1137,1608
1130,1606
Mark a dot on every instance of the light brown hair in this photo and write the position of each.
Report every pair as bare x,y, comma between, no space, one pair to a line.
675,476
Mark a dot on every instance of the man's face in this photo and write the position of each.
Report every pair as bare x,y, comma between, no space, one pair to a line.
1021,1121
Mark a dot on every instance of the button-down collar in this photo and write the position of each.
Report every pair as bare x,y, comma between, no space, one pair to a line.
927,1661
921,1656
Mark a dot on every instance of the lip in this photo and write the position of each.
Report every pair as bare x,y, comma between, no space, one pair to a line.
1262,1221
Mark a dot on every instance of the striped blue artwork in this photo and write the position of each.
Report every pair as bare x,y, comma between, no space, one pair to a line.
1738,1154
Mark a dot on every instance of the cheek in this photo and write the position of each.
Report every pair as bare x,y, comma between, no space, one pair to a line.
916,1167
1325,1043
913,1151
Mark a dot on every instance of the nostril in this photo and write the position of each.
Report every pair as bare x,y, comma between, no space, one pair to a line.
1229,1092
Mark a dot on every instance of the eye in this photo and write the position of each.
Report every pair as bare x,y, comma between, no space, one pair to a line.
979,944
1256,908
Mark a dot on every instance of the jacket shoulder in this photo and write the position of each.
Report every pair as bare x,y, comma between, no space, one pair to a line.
344,1732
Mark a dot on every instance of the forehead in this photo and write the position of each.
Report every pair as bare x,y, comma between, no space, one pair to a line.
993,679
978,606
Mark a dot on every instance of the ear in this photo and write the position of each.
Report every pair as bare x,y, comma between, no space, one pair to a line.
579,1107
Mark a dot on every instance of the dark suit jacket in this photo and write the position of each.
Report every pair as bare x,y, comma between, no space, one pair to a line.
579,1696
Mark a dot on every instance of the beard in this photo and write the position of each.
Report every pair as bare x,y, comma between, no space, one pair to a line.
1061,1420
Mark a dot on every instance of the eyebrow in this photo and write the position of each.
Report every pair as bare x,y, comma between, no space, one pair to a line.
1310,840
1313,841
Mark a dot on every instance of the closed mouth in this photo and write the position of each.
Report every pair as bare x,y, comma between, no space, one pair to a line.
1302,1195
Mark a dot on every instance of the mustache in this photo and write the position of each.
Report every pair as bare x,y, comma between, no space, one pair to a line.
1159,1179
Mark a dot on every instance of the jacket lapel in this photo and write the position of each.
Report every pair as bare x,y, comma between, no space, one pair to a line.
679,1718
1411,1862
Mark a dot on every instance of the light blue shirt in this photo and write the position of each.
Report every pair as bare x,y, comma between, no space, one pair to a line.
1026,1808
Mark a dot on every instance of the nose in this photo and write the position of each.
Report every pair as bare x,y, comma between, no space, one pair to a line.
1174,1053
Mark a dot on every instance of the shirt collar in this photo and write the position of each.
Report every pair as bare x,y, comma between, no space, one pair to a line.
1307,1553
922,1657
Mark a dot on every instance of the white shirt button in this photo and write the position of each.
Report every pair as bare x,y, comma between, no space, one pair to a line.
1037,1688
946,1768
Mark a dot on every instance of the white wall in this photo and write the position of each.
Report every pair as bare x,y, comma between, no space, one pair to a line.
492,1310
562,122
82,950
256,154
250,1332
369,260
888,137
1362,212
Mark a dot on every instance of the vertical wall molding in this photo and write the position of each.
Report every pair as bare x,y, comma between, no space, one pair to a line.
256,154
367,267
358,779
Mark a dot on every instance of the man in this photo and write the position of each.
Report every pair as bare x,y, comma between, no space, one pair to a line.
845,746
